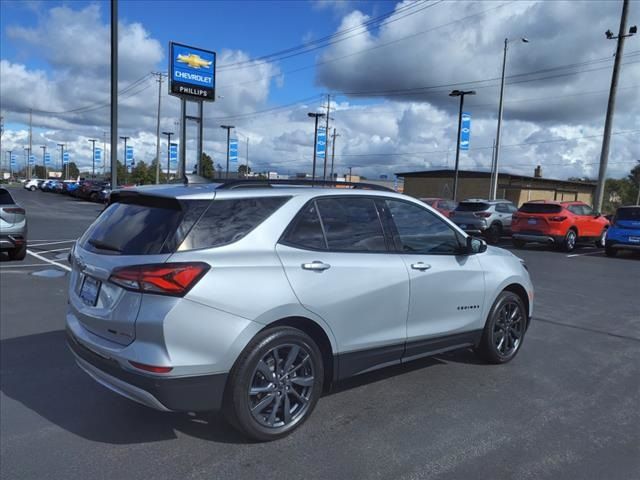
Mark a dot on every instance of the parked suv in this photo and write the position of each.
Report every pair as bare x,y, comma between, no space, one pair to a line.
563,224
13,227
624,233
254,300
442,205
490,218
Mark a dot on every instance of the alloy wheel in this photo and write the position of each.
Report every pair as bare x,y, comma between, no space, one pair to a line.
281,386
508,328
571,240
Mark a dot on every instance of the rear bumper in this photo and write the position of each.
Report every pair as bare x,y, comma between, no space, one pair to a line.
622,246
182,394
535,237
10,241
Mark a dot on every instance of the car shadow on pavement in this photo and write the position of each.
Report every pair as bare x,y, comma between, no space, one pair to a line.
39,372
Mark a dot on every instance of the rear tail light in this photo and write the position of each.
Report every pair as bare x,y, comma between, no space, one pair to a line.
174,279
150,368
557,218
452,213
18,211
482,214
514,217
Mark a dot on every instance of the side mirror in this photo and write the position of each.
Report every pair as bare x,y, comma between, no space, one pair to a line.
475,245
597,214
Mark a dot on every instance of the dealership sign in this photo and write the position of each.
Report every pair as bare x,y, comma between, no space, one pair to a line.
321,142
192,72
465,131
65,158
47,159
173,154
233,151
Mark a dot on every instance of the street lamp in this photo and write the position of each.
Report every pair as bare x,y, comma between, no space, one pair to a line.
494,186
168,134
461,94
44,154
228,129
125,158
93,160
316,116
62,169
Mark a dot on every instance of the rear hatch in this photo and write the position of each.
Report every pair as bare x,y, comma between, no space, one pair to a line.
627,218
136,229
537,217
10,213
467,212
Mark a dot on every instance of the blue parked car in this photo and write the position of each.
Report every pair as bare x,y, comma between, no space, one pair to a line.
624,233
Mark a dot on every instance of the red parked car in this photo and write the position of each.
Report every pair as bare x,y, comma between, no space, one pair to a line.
562,224
445,207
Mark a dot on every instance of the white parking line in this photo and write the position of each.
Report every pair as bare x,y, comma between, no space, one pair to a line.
50,243
583,254
55,250
31,265
44,259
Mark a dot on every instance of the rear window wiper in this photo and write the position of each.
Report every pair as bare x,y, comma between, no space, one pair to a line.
104,246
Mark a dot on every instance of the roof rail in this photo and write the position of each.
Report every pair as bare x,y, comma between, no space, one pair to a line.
249,183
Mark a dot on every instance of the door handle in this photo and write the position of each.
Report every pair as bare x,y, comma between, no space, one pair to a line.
420,266
316,266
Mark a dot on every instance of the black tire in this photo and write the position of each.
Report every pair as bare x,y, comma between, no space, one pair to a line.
93,197
18,253
602,239
32,188
493,233
242,408
610,251
569,242
518,243
490,347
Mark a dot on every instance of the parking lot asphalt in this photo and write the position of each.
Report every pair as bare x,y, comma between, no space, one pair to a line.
566,407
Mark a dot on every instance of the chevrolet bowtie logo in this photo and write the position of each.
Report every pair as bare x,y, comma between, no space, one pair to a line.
194,61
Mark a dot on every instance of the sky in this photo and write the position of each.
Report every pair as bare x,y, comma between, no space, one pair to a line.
388,66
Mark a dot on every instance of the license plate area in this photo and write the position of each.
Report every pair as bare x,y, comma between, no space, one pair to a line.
89,291
532,221
634,239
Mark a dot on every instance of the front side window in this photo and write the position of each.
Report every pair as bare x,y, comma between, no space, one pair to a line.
420,231
575,209
586,210
351,224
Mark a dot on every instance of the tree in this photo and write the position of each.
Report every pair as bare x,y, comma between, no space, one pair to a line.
73,170
243,170
207,166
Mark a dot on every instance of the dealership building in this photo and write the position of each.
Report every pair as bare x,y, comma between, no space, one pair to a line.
516,188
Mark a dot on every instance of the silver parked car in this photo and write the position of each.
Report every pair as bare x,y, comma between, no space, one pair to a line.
255,299
490,218
13,227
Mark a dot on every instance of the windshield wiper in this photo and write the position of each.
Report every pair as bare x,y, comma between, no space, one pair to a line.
104,246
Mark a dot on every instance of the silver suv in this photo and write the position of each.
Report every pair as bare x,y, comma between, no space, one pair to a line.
490,218
255,298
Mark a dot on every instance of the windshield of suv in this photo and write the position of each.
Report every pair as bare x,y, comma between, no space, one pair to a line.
472,207
540,208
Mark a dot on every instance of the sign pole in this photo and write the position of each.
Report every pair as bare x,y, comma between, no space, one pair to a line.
114,94
183,139
200,133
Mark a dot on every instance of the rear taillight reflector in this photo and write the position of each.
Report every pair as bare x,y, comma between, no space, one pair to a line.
482,214
150,368
17,211
174,279
557,218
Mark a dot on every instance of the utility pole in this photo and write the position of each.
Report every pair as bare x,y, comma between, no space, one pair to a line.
93,159
114,94
126,167
228,129
104,154
10,166
30,140
44,165
333,150
159,74
611,105
62,169
247,169
168,134
461,94
350,173
326,136
315,140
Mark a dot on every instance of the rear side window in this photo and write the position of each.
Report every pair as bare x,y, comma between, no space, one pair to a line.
540,208
5,197
227,221
472,207
351,224
306,230
628,214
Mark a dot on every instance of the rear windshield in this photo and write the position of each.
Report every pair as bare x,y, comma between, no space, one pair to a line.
227,221
628,214
5,197
540,208
472,207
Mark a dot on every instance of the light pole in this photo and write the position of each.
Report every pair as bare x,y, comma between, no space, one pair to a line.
315,116
44,153
28,164
93,159
461,94
9,152
494,187
125,157
62,169
168,134
228,129
611,105
333,151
